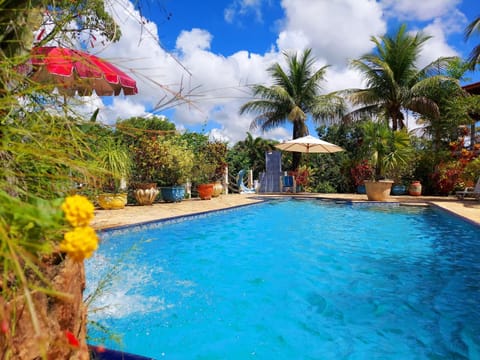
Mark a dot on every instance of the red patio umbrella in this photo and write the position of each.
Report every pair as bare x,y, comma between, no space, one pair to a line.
75,71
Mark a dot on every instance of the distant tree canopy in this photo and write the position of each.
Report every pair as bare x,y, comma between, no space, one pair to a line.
62,20
249,154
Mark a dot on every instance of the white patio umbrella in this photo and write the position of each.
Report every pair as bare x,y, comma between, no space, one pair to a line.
309,144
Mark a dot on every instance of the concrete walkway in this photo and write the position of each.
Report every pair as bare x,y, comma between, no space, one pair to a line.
468,209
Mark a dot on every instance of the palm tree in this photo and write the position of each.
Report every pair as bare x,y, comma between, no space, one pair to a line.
394,84
293,96
473,27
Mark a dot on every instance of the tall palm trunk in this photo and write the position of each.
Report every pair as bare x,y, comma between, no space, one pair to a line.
299,130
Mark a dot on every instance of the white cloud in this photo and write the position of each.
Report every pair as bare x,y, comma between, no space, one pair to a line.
122,108
221,88
418,10
190,41
241,8
436,46
336,30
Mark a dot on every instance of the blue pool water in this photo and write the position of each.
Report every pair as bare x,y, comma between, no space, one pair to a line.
292,280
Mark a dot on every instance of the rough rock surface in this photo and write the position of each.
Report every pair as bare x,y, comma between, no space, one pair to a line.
56,316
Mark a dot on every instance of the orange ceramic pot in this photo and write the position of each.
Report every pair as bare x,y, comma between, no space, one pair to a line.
205,191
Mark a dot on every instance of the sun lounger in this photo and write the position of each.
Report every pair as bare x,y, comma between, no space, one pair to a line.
470,192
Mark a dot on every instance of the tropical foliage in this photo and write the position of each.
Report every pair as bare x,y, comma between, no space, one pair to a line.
448,96
138,134
249,154
133,130
167,160
294,95
115,159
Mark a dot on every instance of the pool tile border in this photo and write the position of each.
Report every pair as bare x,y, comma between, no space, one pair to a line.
155,224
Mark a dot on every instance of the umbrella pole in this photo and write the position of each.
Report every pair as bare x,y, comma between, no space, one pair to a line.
65,105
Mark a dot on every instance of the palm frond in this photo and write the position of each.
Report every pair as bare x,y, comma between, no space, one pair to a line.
436,67
423,105
474,57
472,28
328,108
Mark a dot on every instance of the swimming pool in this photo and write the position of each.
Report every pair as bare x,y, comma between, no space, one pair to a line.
293,280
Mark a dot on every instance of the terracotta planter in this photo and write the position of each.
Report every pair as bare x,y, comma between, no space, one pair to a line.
415,188
378,190
112,201
205,191
145,194
217,189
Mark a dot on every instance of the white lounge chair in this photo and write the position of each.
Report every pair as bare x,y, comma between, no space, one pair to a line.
470,192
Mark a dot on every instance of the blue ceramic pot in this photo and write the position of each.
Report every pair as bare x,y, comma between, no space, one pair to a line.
172,193
398,189
361,189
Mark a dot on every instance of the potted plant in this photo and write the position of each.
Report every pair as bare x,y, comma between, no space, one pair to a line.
144,187
209,169
217,152
388,150
174,161
202,176
115,163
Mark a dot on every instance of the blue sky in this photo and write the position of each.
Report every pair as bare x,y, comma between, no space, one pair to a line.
210,51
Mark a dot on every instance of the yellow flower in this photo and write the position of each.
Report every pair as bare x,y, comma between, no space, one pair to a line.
80,243
78,210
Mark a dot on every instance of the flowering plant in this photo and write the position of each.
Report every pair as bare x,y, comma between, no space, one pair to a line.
33,248
301,176
446,176
81,241
361,172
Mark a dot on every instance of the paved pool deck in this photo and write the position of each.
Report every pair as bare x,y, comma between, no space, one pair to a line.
468,209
